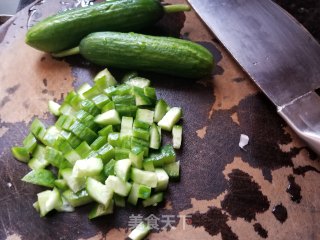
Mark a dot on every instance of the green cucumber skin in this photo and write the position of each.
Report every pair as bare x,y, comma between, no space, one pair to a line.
65,30
166,55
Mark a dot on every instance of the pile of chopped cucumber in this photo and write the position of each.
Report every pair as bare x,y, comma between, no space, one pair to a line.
105,147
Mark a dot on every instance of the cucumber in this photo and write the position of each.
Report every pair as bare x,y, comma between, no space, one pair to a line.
89,167
167,55
101,210
66,29
170,118
177,136
119,186
77,199
74,183
122,168
153,200
42,177
140,232
163,179
144,177
99,192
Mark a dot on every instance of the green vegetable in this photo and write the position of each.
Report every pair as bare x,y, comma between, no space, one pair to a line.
148,53
21,153
108,165
140,232
66,29
177,136
40,177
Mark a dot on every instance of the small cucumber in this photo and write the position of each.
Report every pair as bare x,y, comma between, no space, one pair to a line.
66,29
148,53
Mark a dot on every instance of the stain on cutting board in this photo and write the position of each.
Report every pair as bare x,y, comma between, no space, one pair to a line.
224,192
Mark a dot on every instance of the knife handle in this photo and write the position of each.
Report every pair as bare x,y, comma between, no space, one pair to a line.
303,116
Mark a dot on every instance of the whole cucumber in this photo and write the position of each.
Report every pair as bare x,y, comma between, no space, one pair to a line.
148,53
66,29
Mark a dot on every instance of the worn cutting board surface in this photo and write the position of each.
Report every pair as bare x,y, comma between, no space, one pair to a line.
271,190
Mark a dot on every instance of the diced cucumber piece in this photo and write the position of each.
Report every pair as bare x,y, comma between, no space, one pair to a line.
110,117
100,100
177,136
155,137
38,129
138,191
30,143
83,132
92,92
38,161
126,142
144,192
51,136
124,99
119,201
126,126
150,92
164,156
173,170
109,106
77,199
36,206
136,157
140,232
104,79
21,154
66,109
163,179
106,152
53,156
141,134
106,131
109,168
170,118
168,153
98,143
121,153
48,200
72,156
138,82
145,115
83,88
160,110
114,139
74,183
61,184
143,177
64,206
140,98
42,177
83,150
139,124
87,167
133,195
99,192
119,186
54,108
122,169
148,166
153,200
101,210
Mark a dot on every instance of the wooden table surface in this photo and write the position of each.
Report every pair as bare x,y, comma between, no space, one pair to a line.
271,190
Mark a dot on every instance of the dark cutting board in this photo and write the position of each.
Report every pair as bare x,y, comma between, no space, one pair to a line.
224,192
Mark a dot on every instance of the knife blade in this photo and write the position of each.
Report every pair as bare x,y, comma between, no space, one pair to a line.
278,54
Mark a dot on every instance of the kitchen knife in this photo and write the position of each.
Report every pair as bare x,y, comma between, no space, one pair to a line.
277,52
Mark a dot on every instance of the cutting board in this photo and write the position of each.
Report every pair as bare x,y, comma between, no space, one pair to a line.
269,190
